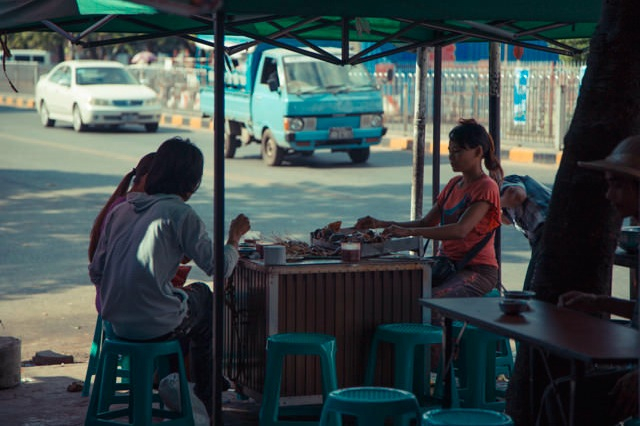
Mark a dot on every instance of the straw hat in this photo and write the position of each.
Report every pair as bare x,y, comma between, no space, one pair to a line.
624,159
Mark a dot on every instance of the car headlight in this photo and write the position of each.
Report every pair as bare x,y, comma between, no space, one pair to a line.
99,102
296,124
370,120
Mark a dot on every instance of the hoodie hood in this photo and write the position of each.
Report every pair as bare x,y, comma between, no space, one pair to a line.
142,201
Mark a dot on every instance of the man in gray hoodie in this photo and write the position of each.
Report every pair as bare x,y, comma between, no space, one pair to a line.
143,243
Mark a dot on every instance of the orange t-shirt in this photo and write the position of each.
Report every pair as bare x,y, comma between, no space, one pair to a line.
486,190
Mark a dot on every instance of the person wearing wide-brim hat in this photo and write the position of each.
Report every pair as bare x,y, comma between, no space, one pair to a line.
607,397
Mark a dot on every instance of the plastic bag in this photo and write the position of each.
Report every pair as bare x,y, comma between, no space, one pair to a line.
169,390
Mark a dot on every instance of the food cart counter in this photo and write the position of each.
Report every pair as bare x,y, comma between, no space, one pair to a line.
345,300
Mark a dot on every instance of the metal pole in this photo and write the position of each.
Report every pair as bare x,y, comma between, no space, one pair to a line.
494,123
437,118
417,185
218,214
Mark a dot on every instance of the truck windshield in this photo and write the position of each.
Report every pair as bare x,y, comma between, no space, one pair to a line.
305,75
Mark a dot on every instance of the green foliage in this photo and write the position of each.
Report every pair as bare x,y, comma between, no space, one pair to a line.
579,43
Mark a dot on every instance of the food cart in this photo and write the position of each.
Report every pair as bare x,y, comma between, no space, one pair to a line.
343,299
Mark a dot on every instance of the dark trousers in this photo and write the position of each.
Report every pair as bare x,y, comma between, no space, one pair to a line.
195,334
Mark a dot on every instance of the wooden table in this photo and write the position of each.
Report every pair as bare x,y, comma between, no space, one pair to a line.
345,300
564,332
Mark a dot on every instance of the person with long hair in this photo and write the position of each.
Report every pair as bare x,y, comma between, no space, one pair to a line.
466,212
140,249
133,181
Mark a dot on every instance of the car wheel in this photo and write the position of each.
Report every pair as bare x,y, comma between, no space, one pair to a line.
44,116
78,125
230,145
151,127
359,155
272,154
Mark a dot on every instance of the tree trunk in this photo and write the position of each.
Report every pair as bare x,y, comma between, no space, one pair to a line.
581,228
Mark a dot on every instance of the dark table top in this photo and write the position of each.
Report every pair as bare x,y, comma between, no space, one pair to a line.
565,332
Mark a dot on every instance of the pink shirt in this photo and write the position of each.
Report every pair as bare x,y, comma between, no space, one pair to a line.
486,190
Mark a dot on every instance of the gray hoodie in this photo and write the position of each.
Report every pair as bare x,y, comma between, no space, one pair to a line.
138,254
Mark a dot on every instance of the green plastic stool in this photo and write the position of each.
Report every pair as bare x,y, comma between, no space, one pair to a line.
478,364
465,417
371,405
409,340
278,347
139,396
92,367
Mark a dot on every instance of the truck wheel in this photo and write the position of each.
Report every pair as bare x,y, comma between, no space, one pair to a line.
230,145
359,155
272,154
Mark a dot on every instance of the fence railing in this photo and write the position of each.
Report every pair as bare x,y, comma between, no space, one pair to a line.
537,99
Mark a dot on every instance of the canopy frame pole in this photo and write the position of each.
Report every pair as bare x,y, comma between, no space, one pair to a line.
419,133
218,214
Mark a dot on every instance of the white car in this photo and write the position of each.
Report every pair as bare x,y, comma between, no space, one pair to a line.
95,93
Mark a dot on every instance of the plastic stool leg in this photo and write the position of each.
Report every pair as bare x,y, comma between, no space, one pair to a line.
94,354
271,394
371,365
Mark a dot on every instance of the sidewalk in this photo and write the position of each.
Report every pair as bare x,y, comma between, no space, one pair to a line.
42,399
190,119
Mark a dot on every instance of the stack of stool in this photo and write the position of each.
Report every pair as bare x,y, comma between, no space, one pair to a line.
465,416
482,356
278,347
139,403
412,341
371,405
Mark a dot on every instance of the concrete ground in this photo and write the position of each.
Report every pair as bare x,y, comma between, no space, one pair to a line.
44,397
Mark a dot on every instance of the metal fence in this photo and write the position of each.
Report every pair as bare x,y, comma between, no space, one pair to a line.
537,99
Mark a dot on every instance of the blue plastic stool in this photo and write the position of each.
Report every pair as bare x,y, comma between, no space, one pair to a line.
477,367
138,397
278,347
94,355
409,340
465,417
371,405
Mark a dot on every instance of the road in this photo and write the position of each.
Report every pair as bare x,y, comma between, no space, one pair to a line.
54,181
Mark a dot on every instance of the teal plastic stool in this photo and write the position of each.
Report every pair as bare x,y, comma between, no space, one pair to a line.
465,417
371,405
477,367
141,402
278,347
409,340
94,355
632,422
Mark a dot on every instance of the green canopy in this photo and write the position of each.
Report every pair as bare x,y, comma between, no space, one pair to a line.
407,24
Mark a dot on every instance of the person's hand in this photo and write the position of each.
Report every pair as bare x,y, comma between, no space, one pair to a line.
239,226
625,393
585,302
396,231
367,222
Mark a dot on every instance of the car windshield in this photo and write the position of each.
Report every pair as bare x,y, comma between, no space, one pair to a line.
306,75
104,75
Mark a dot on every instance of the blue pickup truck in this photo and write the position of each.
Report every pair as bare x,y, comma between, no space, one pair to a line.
294,104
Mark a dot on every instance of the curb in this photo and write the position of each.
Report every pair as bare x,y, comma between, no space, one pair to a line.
396,143
515,154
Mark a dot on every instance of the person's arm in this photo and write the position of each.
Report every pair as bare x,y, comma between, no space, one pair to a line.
595,303
432,218
453,231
